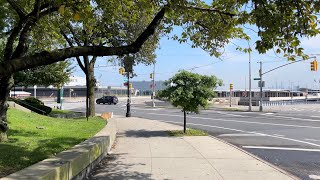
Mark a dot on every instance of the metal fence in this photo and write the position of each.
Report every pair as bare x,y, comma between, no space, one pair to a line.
285,103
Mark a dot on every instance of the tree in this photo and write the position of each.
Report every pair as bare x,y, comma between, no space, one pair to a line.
56,74
119,31
190,91
209,26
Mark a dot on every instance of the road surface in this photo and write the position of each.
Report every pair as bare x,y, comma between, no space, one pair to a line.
287,139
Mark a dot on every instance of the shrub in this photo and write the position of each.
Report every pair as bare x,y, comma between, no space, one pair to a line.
34,105
33,100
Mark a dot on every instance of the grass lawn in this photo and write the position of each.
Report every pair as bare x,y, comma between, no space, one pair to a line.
189,132
58,111
34,137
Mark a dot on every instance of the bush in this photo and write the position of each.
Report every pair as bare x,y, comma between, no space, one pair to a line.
40,109
34,105
33,100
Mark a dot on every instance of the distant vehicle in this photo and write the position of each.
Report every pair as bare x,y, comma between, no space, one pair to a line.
107,100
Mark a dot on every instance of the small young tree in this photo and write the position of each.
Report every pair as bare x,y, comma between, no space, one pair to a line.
190,91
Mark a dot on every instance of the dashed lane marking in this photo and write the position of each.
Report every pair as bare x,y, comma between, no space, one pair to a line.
247,122
281,148
238,135
312,140
314,176
242,131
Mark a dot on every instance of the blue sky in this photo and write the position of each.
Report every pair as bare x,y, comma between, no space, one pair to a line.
231,68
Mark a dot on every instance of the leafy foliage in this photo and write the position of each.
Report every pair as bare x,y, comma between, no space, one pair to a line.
34,105
33,100
55,74
190,91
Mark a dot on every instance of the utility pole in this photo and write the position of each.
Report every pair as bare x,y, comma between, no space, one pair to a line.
230,98
153,85
250,96
260,74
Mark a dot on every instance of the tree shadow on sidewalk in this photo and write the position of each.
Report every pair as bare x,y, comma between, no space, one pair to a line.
144,133
116,167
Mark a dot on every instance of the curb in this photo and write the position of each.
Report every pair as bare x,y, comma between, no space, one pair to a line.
256,157
75,163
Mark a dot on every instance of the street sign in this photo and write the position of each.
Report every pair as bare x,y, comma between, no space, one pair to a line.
244,94
257,79
125,84
263,84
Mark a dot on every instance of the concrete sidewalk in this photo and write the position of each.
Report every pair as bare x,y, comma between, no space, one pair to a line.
143,150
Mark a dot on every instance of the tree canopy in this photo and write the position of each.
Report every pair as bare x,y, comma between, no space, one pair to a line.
56,74
190,91
207,25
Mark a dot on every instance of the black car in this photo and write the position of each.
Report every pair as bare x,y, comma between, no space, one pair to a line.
108,100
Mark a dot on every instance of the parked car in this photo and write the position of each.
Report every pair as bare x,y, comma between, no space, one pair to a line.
107,100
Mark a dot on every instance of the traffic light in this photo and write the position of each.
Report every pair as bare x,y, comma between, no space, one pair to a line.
130,85
231,86
121,70
314,65
151,76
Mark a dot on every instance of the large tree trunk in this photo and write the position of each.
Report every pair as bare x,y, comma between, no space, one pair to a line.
6,84
91,91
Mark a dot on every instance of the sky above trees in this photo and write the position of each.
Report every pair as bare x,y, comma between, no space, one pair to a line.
232,67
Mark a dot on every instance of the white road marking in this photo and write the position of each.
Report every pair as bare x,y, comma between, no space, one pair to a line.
312,140
229,114
238,135
278,135
315,116
292,118
314,176
269,113
229,120
281,148
238,130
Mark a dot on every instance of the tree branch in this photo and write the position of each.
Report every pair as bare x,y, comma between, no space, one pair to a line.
37,8
74,34
208,10
45,58
31,20
16,7
93,60
71,45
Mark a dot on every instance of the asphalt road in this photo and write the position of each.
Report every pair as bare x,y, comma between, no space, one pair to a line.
287,139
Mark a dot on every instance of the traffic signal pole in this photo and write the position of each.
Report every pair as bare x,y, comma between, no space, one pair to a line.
314,67
128,114
260,74
153,85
